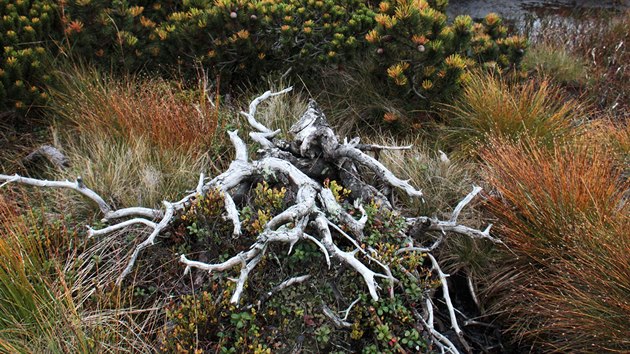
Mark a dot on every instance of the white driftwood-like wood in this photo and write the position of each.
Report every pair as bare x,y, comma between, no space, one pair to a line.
313,154
50,153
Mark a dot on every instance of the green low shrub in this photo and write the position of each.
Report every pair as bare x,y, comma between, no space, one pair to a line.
27,29
282,320
419,56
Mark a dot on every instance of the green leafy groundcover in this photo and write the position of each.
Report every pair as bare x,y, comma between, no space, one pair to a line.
293,317
412,48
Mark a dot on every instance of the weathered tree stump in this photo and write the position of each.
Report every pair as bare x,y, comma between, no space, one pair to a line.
313,155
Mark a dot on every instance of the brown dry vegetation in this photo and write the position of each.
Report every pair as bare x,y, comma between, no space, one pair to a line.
52,297
37,304
138,140
600,44
563,285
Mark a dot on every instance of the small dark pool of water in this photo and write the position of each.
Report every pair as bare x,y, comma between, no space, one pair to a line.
529,16
519,9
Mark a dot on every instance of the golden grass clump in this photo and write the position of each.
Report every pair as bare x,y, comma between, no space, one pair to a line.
491,107
37,311
564,282
610,134
132,173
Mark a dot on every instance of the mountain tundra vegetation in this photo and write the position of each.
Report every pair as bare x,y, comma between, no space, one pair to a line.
311,176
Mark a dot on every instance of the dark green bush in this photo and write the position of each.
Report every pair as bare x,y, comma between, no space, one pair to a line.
234,38
415,54
418,54
26,32
425,57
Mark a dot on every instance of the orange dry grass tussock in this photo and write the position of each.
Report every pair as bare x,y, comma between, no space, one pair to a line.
611,134
555,186
564,284
132,108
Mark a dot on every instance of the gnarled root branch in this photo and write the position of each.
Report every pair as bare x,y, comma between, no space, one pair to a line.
314,153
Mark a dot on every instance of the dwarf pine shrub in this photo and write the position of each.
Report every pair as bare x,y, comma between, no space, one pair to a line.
419,56
244,38
423,56
414,52
409,46
26,32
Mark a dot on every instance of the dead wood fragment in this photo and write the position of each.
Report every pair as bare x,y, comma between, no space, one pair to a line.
314,154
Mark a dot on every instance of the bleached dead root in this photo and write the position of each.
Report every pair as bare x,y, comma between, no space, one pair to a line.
315,217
